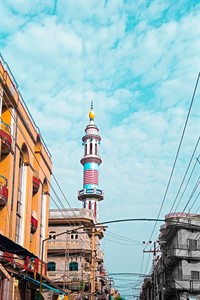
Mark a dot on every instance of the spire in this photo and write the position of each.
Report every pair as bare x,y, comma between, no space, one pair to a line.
91,114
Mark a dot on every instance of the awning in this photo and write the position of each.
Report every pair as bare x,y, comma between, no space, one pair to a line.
7,245
48,286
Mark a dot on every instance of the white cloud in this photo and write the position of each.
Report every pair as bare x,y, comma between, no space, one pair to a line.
139,66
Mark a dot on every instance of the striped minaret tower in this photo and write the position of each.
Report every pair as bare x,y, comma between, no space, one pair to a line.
90,195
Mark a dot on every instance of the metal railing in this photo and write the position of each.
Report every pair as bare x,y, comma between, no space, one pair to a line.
186,277
4,126
195,246
90,191
73,213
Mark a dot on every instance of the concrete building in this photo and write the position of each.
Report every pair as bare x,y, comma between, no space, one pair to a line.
75,261
179,265
25,169
176,272
71,255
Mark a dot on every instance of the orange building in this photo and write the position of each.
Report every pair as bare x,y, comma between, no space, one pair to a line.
25,169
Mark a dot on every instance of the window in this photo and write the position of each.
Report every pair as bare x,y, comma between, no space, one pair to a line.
51,266
73,266
85,149
195,275
192,244
96,148
52,236
90,148
74,235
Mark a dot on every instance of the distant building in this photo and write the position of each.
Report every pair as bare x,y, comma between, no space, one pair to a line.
25,169
176,272
75,261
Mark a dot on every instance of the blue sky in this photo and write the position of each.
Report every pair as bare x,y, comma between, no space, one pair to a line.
138,61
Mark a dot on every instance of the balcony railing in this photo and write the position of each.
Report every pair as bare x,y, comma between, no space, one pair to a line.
184,250
5,135
184,282
90,193
70,276
3,190
73,213
62,245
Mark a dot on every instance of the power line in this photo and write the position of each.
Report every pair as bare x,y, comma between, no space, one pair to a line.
186,175
186,184
176,157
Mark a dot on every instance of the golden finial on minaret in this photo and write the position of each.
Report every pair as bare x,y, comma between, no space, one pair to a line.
91,113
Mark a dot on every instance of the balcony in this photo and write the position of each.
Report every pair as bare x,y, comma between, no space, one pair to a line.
71,246
36,183
3,190
184,251
5,136
70,276
34,222
184,282
75,213
90,193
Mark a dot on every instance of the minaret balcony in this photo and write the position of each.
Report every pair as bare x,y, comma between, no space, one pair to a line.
91,157
3,191
5,136
36,183
90,193
34,222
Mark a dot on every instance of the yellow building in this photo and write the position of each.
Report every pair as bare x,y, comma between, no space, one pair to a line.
25,169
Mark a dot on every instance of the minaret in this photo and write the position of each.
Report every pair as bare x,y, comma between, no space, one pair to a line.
90,195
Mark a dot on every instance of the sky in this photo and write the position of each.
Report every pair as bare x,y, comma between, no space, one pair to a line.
139,62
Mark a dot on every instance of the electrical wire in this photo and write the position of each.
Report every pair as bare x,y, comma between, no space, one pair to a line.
191,159
187,184
176,157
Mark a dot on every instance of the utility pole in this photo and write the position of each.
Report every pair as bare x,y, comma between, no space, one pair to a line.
155,279
92,275
93,248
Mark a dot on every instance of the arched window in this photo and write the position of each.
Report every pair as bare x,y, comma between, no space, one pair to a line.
74,235
96,149
51,266
73,266
90,205
90,148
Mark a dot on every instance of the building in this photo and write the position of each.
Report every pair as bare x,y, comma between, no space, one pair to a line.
75,261
25,169
176,271
179,265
